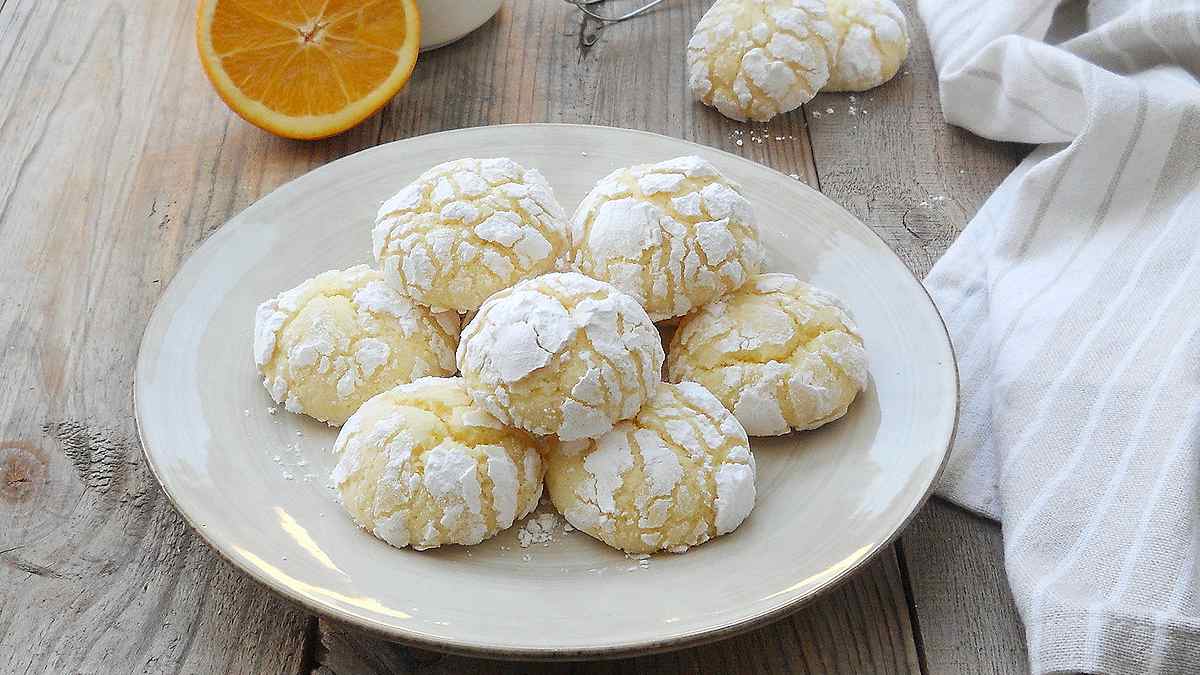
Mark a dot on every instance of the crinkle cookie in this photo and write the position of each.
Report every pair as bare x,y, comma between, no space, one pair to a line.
779,353
561,354
755,59
675,476
329,344
871,43
466,229
675,235
421,465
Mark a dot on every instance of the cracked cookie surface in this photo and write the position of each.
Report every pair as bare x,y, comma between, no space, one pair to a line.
779,353
329,344
674,476
561,354
466,229
421,465
871,43
675,235
755,59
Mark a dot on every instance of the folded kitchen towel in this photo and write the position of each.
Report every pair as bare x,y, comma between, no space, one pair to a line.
1073,301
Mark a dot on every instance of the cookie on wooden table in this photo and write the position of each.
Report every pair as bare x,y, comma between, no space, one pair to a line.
872,42
755,59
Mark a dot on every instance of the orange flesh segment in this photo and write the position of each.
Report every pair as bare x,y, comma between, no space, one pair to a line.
282,59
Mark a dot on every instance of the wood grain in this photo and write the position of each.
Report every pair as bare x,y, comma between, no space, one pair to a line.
120,160
888,157
968,622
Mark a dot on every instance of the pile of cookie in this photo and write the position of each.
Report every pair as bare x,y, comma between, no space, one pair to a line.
501,345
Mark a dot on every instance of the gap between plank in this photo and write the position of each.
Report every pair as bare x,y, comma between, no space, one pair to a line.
910,600
308,648
812,153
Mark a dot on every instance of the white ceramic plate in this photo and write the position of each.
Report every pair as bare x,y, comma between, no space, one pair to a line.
254,484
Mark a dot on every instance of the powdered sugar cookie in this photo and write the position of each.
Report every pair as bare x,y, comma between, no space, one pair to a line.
421,465
674,476
561,354
675,235
329,344
871,43
779,353
466,229
755,59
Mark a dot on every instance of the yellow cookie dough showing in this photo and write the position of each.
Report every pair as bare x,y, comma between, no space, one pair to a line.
779,353
755,59
872,42
466,229
421,465
329,344
675,235
675,476
561,354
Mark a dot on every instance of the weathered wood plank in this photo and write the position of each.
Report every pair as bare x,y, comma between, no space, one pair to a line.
118,161
895,164
968,623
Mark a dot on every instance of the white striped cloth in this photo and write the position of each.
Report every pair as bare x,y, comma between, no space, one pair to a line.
1073,300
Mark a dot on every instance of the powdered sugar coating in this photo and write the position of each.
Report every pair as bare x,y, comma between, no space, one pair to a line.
779,353
561,354
755,59
421,465
872,42
466,229
675,235
329,344
674,476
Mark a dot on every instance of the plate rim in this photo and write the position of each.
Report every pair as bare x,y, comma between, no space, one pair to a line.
508,653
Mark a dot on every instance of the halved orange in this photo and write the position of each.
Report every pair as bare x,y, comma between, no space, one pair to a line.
307,68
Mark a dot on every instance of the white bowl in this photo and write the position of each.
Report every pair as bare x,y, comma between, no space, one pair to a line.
444,21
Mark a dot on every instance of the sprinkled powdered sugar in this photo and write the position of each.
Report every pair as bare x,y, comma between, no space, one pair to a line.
799,360
760,136
754,59
466,229
538,529
675,476
335,340
675,235
293,464
561,354
406,475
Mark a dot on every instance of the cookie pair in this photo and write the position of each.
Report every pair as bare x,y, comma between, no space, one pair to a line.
755,59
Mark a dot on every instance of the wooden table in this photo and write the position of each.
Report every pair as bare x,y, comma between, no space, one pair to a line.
118,160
